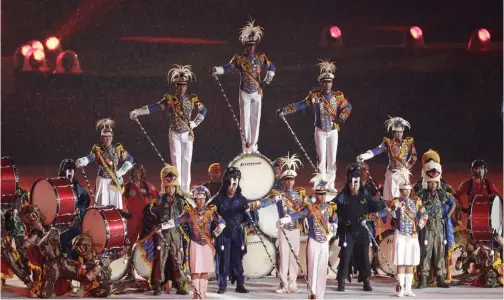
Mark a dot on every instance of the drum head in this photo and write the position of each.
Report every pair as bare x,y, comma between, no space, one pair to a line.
387,248
268,218
143,256
94,224
256,263
119,267
257,175
43,195
496,214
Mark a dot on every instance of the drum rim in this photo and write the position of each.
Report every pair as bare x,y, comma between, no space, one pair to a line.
58,198
16,176
255,154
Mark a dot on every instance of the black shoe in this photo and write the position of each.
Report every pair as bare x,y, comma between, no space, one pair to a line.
423,282
442,283
367,286
125,215
240,288
221,290
341,285
157,290
180,288
349,277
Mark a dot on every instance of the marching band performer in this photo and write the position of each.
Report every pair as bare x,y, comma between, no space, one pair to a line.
250,95
410,215
322,222
167,265
201,249
215,182
438,232
181,134
355,207
331,110
402,156
67,170
108,157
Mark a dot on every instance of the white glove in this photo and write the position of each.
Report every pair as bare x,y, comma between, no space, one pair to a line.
363,223
133,115
284,221
82,162
421,223
334,228
219,229
365,156
168,225
217,71
192,125
269,77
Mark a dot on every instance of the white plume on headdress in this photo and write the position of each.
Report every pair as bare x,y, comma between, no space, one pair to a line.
249,29
319,180
180,73
402,177
327,69
103,123
289,165
394,121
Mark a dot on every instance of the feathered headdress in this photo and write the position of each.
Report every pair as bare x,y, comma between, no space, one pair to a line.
396,124
250,34
327,69
201,190
106,127
320,183
181,74
289,166
169,177
430,155
400,176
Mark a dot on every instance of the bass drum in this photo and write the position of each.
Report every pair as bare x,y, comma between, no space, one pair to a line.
143,254
386,246
268,218
10,180
106,227
120,267
257,175
485,217
256,263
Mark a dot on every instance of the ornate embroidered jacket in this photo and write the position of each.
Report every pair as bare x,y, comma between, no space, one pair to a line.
249,66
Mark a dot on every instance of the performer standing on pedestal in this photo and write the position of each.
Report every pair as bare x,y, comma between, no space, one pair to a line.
180,107
250,94
331,110
108,157
402,156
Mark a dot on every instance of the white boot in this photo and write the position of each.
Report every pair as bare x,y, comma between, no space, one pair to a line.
203,288
401,277
196,284
409,282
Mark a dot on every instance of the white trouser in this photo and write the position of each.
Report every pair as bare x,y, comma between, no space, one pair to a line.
391,186
250,116
327,146
107,193
287,260
181,148
318,261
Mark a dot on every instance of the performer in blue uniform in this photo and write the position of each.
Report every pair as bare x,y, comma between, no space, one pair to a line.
249,65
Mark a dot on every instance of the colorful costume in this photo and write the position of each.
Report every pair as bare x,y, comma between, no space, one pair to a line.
322,227
213,187
402,156
181,134
109,180
250,91
354,210
331,111
428,156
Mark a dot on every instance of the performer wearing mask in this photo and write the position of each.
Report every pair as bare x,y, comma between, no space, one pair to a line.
180,107
167,265
427,157
355,207
108,156
402,156
410,215
250,93
331,110
215,182
437,235
201,249
322,223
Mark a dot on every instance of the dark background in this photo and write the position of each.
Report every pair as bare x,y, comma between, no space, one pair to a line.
451,96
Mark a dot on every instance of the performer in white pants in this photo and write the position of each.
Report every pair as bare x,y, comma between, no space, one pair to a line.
402,156
331,110
181,107
322,220
108,157
250,92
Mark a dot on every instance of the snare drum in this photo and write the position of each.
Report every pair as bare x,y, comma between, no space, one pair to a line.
257,175
485,216
386,246
256,263
268,217
106,227
10,181
56,200
144,252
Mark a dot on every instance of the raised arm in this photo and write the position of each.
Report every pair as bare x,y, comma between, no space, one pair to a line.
372,153
230,67
164,103
297,106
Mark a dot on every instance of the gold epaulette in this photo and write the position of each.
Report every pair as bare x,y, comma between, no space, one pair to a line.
339,96
96,148
119,147
274,193
409,140
187,208
212,208
301,191
386,140
333,206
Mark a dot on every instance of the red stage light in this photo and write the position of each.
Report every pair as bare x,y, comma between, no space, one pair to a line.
25,49
416,32
335,32
38,55
483,35
37,45
52,43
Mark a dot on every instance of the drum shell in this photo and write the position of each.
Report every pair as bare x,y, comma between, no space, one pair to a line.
9,181
56,200
480,222
109,236
254,167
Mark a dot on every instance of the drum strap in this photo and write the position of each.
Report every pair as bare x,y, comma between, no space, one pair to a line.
291,202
